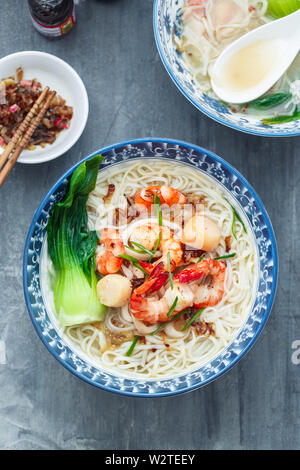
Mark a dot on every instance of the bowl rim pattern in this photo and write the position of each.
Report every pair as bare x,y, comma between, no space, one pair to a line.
215,116
110,381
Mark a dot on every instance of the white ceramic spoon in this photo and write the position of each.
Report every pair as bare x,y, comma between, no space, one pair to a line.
278,42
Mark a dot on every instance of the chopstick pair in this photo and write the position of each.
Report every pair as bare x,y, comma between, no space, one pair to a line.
25,130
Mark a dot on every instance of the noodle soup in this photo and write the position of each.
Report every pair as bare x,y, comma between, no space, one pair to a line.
144,337
204,28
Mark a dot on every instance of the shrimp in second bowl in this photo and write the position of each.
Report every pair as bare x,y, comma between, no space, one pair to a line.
110,247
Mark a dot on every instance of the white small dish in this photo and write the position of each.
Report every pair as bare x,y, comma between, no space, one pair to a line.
61,77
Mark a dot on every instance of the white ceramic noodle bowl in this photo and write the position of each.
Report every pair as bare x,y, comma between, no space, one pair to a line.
285,33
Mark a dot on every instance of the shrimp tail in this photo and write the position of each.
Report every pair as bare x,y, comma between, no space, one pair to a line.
155,281
138,305
148,311
146,266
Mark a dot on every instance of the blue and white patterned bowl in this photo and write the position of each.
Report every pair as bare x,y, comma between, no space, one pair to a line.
164,22
252,208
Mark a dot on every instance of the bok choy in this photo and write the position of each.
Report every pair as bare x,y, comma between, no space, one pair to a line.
72,250
280,8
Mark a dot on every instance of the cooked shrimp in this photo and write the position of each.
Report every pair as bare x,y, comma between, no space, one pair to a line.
223,13
147,309
152,309
226,13
145,234
197,3
205,294
166,194
197,11
142,307
148,233
108,261
154,281
168,244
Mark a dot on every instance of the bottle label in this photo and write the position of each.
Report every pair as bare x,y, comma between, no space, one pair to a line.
55,31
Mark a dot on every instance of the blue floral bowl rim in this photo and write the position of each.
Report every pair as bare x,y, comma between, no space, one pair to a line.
195,103
270,300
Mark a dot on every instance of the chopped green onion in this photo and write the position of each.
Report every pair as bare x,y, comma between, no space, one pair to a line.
140,252
187,310
130,350
156,201
129,258
169,269
237,216
269,101
201,258
142,248
162,325
193,319
156,198
240,219
226,256
155,246
172,308
160,218
135,262
159,328
233,226
283,118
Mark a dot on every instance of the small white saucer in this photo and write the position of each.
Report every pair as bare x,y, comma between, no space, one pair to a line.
61,77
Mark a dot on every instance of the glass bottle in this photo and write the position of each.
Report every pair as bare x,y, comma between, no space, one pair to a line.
52,18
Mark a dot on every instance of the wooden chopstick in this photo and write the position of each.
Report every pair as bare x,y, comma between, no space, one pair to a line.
22,127
24,140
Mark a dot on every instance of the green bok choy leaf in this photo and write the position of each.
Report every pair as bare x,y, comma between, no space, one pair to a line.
280,8
72,250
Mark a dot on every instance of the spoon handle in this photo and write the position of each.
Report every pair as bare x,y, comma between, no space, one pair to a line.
292,24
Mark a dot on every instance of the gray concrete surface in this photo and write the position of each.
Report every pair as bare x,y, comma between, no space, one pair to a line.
42,406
